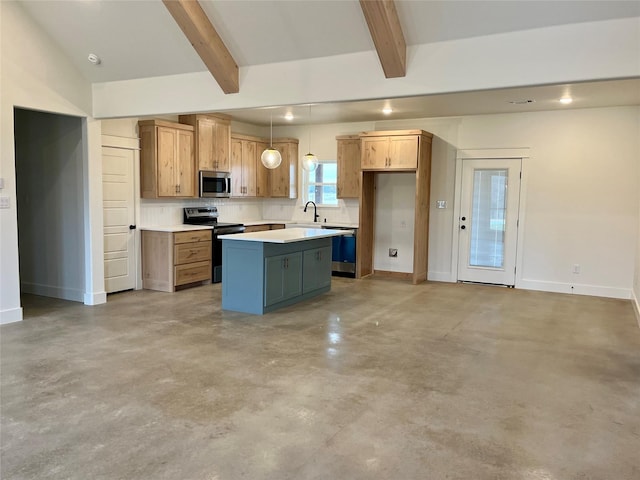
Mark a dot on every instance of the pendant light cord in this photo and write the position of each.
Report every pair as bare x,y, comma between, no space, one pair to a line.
309,129
271,134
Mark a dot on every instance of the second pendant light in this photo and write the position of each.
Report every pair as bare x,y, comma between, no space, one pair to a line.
309,161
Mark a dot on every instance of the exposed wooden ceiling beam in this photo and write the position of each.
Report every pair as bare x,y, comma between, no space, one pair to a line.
195,24
385,29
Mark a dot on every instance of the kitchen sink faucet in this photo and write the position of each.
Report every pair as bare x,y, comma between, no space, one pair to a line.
315,210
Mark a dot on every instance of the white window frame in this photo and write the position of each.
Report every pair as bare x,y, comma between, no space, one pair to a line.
306,184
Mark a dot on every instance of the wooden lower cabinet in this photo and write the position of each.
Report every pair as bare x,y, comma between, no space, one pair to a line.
264,227
175,259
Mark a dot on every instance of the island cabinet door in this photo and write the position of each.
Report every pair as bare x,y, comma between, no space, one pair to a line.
316,269
282,277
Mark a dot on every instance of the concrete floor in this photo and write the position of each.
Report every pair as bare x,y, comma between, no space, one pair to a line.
377,379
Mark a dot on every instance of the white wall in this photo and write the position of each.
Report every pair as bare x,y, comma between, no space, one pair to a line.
394,221
321,140
581,193
636,279
49,174
35,75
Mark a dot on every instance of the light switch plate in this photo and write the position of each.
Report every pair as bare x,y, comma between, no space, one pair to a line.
4,202
441,204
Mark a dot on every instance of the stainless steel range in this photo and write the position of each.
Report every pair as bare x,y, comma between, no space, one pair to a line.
209,216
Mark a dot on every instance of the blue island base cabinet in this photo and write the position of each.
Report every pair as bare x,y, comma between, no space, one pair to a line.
261,277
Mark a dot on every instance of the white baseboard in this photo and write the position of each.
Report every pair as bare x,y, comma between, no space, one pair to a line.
577,289
73,294
440,277
10,316
95,298
636,306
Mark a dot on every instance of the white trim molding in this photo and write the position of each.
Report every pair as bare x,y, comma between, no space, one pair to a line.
114,141
95,298
10,316
54,291
440,277
636,306
486,153
577,289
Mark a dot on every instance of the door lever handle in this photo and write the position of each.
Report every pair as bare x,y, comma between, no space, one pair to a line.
132,227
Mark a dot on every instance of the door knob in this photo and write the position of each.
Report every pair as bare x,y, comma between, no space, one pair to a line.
462,227
463,218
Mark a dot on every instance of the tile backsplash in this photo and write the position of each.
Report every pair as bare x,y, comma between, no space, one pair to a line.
169,212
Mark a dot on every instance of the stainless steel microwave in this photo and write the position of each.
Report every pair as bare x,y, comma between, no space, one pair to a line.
215,184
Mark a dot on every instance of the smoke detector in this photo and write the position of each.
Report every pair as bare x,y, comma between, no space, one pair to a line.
95,59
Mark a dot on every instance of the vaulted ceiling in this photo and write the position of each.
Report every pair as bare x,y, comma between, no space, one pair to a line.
139,39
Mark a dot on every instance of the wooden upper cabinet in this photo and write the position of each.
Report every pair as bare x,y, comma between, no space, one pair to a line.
396,150
284,179
213,140
236,167
348,166
245,154
167,163
262,172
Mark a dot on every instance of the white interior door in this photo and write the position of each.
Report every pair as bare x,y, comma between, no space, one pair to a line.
119,216
488,222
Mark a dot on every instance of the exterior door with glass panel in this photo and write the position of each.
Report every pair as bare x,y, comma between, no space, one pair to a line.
488,223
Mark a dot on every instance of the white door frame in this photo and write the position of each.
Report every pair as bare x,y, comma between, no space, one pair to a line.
129,143
485,154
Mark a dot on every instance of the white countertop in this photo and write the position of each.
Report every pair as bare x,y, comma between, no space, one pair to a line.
286,235
176,228
293,223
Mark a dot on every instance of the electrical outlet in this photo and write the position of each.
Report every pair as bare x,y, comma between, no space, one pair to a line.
393,252
576,268
4,202
441,204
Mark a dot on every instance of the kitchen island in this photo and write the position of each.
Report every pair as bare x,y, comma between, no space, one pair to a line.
264,271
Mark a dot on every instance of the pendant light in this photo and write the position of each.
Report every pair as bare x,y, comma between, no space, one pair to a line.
309,161
271,157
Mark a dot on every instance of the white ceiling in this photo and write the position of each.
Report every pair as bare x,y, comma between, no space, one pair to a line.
584,95
139,39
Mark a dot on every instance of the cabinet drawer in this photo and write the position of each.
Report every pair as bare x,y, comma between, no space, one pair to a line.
256,228
193,236
192,272
191,252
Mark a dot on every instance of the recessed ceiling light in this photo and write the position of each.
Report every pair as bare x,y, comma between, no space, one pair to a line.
289,116
521,102
387,110
93,58
566,100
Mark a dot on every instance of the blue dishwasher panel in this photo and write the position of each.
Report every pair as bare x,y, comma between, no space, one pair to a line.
348,249
336,247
